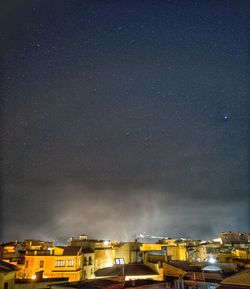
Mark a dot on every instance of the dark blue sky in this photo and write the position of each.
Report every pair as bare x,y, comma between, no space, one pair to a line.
121,117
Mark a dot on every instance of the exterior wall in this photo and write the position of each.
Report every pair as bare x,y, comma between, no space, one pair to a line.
177,253
74,273
88,265
151,247
104,258
225,257
7,278
172,252
207,251
124,251
240,253
32,265
129,251
8,251
182,253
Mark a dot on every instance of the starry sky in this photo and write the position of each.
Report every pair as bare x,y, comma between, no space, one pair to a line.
123,117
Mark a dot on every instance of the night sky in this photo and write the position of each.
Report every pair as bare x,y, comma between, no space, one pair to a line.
123,117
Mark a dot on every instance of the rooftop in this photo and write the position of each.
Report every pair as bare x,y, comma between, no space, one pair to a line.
7,267
94,284
240,279
185,266
129,270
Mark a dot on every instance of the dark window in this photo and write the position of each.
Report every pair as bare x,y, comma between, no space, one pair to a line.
26,264
6,285
41,264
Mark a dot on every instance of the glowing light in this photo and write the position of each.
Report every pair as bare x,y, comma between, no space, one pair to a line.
217,240
33,277
106,243
212,260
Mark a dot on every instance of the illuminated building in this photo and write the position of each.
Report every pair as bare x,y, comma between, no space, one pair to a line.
7,275
185,275
170,251
70,261
129,251
208,251
104,252
235,238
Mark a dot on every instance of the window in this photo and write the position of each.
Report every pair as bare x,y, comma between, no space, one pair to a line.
26,264
6,285
71,263
60,263
119,261
41,263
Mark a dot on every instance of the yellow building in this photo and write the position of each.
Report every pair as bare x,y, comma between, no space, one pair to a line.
7,275
225,257
177,253
104,252
71,262
172,252
129,251
208,251
241,253
8,250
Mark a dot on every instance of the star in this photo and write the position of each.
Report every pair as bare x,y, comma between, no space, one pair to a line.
226,116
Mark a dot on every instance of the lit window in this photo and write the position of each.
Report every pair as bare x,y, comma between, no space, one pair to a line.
41,264
60,263
71,263
119,261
